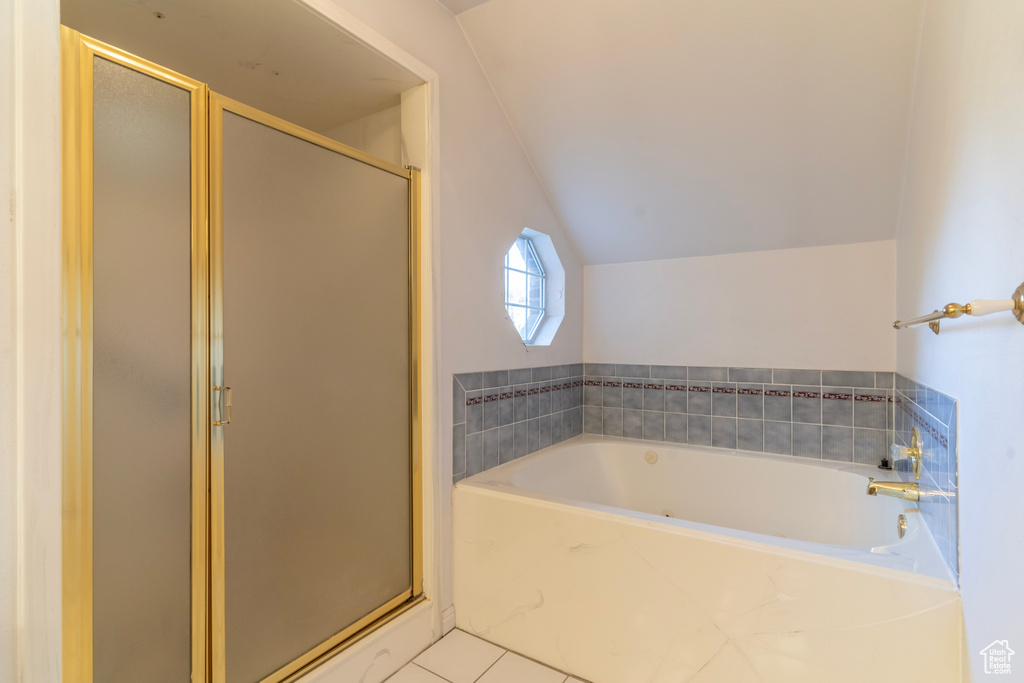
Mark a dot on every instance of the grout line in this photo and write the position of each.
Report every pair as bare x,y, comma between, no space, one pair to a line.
492,663
420,666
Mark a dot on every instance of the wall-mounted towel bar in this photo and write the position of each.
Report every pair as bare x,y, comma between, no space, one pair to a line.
1014,304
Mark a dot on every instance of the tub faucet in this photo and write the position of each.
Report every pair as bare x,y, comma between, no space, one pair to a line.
896,489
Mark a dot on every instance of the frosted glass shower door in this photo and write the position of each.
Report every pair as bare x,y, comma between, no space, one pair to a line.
314,469
135,399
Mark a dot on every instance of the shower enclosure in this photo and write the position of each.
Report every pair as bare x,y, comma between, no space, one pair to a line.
241,485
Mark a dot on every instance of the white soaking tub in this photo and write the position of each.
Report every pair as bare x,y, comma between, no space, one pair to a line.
703,566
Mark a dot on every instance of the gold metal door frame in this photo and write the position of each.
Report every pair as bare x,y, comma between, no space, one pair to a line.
301,665
77,55
206,159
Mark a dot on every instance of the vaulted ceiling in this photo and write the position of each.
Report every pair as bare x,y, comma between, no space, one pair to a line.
671,128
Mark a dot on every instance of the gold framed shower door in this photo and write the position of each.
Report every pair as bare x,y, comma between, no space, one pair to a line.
207,444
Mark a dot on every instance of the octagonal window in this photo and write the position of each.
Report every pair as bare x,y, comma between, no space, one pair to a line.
524,288
534,288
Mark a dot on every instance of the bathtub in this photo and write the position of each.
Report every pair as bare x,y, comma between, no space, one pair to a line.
622,561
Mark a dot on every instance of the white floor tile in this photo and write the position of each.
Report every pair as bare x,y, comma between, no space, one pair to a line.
512,668
410,673
573,680
459,657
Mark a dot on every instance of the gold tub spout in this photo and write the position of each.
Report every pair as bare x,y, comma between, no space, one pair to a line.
896,489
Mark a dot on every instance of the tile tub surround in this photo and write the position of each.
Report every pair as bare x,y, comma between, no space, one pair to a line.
831,414
505,414
935,416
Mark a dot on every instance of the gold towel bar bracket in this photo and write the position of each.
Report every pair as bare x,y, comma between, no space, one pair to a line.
978,307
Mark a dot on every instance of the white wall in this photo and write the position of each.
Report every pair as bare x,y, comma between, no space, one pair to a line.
960,238
817,307
379,134
8,390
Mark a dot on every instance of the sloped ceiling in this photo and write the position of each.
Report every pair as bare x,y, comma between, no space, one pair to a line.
672,128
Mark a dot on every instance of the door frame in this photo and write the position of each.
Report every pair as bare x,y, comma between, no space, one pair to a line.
78,53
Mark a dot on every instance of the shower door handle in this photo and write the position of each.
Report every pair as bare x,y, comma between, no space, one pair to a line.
221,391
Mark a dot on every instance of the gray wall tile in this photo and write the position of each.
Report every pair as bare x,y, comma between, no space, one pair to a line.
506,410
778,403
750,435
612,391
698,429
804,377
491,397
520,376
837,443
520,402
884,380
632,370
837,406
520,439
612,422
698,400
633,424
471,381
806,406
474,412
506,452
758,375
676,428
458,402
544,429
633,394
556,427
654,394
869,408
708,374
847,378
668,371
459,449
675,396
869,445
600,369
778,437
723,432
654,425
750,401
723,399
543,399
491,454
541,374
592,391
495,378
534,434
807,440
593,422
474,454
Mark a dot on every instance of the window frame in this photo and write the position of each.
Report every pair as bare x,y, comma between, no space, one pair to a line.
542,276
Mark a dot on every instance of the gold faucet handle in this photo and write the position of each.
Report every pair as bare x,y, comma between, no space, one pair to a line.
913,452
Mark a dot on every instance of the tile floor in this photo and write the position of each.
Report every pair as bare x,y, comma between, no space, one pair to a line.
462,658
